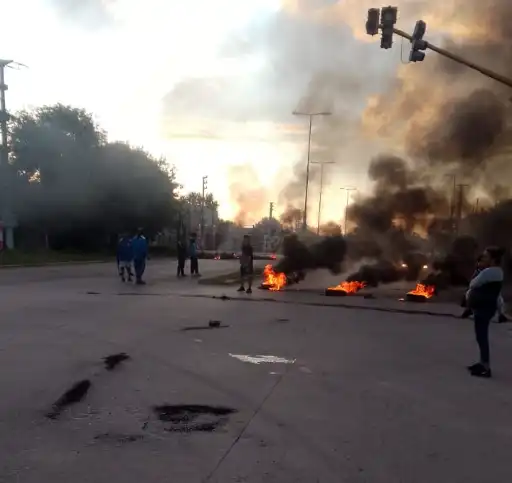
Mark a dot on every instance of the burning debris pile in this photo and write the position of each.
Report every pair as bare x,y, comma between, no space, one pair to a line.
272,280
421,293
298,258
345,288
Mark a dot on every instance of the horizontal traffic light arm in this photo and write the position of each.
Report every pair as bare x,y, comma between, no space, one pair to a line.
489,73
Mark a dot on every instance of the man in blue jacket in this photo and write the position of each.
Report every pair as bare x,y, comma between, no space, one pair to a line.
125,257
140,255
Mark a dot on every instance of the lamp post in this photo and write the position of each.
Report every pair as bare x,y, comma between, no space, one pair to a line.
348,189
322,164
310,115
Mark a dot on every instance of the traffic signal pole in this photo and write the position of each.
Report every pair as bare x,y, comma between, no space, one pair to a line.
457,58
384,19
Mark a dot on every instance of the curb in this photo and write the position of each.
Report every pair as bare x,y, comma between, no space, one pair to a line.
54,264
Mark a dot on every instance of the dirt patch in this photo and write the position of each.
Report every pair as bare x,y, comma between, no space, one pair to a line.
75,394
118,438
192,417
113,360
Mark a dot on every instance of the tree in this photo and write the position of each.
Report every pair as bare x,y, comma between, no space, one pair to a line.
80,189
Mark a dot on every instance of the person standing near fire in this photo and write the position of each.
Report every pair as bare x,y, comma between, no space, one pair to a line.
246,265
483,299
182,257
192,251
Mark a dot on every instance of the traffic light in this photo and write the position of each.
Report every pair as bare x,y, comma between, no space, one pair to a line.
205,183
372,24
418,44
388,17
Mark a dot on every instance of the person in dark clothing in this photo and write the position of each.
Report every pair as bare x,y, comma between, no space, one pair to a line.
483,299
182,257
125,257
194,261
246,265
140,255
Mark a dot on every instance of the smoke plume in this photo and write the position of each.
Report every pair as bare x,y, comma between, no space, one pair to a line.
328,253
248,194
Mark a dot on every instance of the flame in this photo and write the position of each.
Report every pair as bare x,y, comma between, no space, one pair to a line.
349,287
274,281
426,290
217,257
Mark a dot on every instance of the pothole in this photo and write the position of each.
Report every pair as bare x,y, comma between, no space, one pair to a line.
188,418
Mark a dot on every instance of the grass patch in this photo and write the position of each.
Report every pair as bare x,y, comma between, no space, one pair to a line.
48,257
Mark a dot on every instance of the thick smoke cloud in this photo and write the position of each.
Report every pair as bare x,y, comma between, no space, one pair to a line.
328,253
449,122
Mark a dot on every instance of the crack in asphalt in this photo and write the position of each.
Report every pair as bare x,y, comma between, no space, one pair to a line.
296,302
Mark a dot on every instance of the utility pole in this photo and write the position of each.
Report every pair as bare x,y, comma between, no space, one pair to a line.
310,115
5,199
348,189
271,210
205,187
459,206
385,20
322,164
453,177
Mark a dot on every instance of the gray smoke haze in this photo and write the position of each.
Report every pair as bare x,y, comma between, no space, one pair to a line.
307,65
89,13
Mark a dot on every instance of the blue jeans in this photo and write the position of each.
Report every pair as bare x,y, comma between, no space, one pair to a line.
482,322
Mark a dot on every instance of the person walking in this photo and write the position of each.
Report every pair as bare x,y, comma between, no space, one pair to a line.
125,257
246,265
194,261
182,257
140,255
482,299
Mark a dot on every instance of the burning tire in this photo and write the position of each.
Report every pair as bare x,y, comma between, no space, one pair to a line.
331,292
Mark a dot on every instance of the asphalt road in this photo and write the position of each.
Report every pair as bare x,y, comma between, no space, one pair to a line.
350,395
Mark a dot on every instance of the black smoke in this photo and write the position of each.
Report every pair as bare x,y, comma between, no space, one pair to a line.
328,253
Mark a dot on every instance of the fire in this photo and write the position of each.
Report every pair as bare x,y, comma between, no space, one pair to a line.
349,287
217,257
274,281
426,290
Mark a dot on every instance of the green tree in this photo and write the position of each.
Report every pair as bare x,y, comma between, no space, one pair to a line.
80,189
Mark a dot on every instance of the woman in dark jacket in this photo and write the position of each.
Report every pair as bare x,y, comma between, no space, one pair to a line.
482,299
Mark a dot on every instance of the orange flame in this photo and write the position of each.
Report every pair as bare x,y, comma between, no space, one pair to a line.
349,287
274,281
426,290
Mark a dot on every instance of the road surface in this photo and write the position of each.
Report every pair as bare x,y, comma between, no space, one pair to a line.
349,395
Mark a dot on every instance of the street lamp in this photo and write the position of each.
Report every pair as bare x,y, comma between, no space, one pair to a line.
322,164
348,189
310,115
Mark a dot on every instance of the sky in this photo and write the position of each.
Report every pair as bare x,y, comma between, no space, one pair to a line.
209,84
